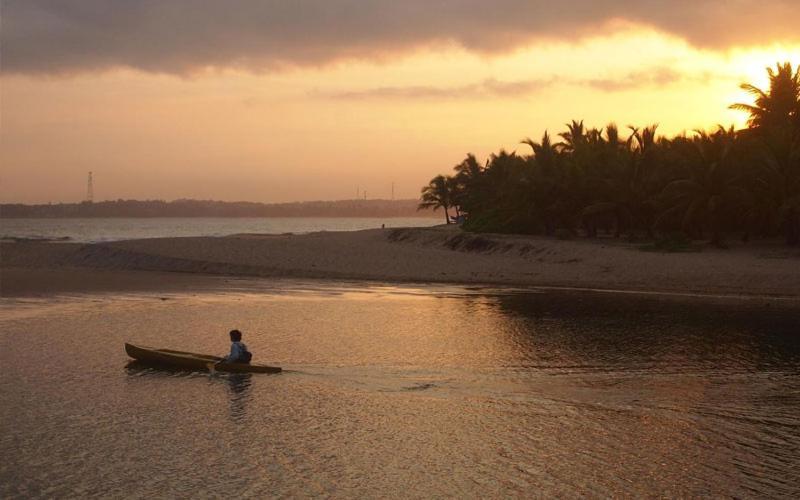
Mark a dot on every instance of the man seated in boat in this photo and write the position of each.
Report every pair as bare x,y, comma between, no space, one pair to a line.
239,352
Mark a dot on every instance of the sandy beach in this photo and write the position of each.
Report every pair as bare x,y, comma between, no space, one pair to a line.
425,255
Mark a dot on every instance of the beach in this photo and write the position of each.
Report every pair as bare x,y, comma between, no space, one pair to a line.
402,255
427,361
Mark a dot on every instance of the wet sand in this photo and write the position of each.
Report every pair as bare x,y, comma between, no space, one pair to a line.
423,255
19,282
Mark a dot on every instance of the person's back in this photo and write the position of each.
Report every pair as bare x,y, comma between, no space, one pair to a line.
239,352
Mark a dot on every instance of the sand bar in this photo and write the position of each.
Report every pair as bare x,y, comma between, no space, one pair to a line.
423,255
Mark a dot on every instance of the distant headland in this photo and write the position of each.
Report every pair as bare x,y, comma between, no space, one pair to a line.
210,208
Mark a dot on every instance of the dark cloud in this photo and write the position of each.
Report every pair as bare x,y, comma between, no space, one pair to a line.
181,36
652,77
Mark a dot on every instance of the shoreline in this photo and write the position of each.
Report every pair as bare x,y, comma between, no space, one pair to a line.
41,283
438,255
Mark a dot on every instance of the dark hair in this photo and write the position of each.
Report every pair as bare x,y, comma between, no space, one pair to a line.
236,335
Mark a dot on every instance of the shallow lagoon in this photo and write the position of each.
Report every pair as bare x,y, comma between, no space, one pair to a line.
402,391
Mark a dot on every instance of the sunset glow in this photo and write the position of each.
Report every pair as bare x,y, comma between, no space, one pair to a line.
318,131
399,248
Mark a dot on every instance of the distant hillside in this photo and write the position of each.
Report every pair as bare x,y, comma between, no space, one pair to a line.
208,208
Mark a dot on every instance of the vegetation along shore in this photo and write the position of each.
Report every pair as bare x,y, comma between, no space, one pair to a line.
701,213
715,185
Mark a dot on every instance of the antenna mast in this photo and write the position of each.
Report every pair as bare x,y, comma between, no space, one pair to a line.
90,189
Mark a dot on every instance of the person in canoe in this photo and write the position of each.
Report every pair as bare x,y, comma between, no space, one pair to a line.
239,352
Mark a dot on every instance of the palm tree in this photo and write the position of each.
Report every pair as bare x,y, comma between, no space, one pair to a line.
779,107
466,181
774,185
623,188
545,153
469,168
545,178
775,140
712,183
709,195
438,194
574,137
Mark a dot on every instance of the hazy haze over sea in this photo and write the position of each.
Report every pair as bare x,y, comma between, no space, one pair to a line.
113,229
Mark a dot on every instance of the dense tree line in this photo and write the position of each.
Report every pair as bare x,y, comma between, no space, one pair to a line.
703,185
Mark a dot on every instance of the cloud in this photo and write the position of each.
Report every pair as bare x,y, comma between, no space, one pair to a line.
486,88
651,77
183,36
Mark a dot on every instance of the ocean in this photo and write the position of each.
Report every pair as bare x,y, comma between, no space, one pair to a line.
113,229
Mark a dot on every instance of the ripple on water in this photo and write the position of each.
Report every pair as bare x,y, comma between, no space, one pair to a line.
401,393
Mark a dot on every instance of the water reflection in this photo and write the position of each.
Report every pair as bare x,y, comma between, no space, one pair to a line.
428,393
136,368
644,332
238,385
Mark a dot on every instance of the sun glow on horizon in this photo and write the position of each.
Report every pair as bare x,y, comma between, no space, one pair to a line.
750,66
314,133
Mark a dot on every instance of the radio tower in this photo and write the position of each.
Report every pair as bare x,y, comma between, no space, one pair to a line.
89,189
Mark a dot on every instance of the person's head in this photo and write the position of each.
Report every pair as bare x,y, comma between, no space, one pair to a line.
236,335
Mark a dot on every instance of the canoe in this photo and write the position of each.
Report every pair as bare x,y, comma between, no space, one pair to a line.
191,361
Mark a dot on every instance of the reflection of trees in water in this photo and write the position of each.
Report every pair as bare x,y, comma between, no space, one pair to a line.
239,391
698,366
563,328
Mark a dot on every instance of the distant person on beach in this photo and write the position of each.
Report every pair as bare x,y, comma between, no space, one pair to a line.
239,352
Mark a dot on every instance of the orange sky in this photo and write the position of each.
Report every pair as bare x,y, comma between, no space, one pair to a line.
319,129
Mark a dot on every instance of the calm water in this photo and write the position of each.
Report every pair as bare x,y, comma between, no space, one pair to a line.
403,392
93,230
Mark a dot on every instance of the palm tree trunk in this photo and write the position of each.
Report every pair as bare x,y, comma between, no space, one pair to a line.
716,238
792,231
446,215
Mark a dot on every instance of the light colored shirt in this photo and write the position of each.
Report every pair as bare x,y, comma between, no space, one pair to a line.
237,350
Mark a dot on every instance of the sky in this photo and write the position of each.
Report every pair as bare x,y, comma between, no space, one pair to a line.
276,101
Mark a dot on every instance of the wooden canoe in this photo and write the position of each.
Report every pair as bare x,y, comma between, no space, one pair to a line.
191,361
